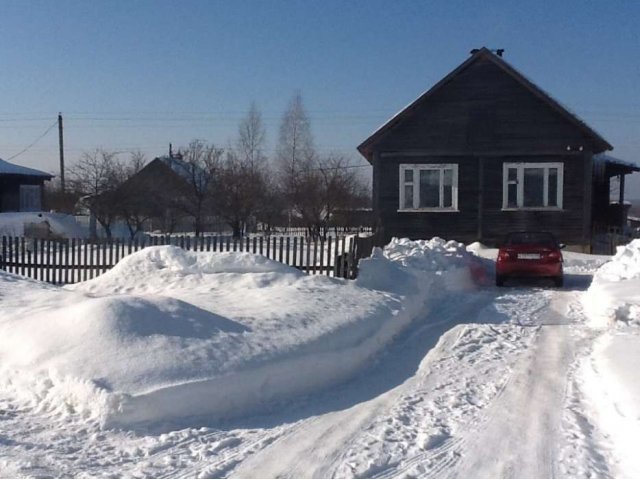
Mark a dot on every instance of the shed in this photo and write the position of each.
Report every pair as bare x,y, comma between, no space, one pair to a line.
21,188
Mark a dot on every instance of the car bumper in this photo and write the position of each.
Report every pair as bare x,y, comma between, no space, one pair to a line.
528,269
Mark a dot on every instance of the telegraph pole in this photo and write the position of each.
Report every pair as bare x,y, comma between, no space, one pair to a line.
61,144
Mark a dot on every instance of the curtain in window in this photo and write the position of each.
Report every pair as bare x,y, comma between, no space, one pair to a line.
429,188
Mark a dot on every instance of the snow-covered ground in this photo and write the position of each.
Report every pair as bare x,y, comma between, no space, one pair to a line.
60,225
609,378
207,365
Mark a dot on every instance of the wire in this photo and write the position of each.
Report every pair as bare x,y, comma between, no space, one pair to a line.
34,142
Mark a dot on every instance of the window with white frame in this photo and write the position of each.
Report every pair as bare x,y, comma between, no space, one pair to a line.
429,187
532,185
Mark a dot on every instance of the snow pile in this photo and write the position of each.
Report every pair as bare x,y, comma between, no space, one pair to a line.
610,375
614,294
407,265
169,333
12,224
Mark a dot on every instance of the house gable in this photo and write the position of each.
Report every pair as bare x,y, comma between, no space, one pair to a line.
484,107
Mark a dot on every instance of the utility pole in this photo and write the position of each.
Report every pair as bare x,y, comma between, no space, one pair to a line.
61,144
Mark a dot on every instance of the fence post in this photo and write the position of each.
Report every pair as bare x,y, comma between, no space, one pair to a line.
321,256
3,260
295,251
22,254
315,256
352,265
328,256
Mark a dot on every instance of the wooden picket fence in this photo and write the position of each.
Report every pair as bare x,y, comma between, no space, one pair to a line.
76,260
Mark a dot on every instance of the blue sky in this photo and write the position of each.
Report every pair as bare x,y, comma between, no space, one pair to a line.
140,74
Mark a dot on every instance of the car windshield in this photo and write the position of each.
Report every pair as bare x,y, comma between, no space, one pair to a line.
531,238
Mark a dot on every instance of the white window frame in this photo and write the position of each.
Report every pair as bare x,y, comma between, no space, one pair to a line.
520,167
416,167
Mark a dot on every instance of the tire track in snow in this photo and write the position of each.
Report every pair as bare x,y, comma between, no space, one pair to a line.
430,424
522,430
484,371
333,438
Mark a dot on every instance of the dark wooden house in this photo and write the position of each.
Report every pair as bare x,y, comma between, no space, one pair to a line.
21,188
485,152
154,194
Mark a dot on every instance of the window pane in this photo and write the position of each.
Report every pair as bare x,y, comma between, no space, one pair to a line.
512,175
429,188
533,187
553,187
408,196
512,195
408,175
447,181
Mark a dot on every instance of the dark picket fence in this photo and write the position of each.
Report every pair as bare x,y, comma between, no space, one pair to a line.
76,260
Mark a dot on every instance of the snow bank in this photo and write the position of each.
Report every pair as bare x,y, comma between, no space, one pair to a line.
171,334
614,294
610,375
12,224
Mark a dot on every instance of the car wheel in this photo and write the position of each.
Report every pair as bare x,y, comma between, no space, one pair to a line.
500,279
558,281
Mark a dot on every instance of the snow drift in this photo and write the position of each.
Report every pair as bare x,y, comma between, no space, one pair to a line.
12,224
170,334
614,294
610,375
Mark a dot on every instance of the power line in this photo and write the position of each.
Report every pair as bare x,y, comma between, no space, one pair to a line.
34,142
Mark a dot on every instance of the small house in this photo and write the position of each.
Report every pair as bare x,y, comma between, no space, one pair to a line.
21,188
162,194
484,152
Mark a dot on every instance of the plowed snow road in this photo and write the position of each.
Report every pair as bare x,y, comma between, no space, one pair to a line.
486,401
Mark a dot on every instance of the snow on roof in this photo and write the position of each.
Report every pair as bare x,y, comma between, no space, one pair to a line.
188,171
7,168
604,158
178,165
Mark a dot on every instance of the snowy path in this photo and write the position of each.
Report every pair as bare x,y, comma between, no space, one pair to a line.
475,389
521,430
486,402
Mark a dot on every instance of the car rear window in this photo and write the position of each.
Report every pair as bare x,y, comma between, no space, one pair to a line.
529,238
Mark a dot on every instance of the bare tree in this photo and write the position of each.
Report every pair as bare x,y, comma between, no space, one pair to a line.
241,182
137,161
95,177
198,164
134,203
57,200
295,151
251,139
331,186
273,209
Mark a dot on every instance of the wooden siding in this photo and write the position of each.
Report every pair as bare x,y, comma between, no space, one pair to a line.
483,110
461,225
570,225
10,190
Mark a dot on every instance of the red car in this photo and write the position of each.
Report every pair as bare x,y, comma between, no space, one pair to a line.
530,254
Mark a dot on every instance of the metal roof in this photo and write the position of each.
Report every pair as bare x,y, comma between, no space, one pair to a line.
7,168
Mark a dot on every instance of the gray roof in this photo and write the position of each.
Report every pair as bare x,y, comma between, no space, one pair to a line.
604,158
366,147
178,165
7,168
